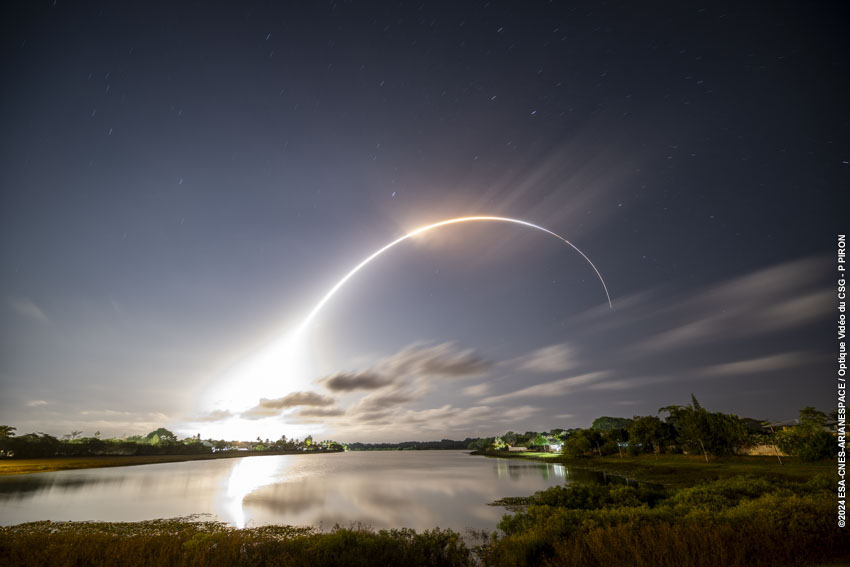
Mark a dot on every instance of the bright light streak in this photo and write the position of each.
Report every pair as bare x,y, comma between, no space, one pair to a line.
261,375
420,230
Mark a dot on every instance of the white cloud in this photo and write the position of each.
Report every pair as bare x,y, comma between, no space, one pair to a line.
763,302
550,389
443,359
550,359
758,365
628,383
476,389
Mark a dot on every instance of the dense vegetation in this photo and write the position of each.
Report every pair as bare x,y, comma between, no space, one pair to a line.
688,429
744,521
187,543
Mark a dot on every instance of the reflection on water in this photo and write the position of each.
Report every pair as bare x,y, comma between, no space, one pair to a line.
383,489
248,475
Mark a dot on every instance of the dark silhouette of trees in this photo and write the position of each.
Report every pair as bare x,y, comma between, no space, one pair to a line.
808,440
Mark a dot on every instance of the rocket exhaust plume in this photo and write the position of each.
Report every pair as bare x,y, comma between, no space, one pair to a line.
420,230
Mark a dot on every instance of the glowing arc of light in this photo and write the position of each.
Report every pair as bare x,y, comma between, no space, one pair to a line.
420,230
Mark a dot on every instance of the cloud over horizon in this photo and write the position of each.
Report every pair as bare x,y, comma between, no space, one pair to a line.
271,407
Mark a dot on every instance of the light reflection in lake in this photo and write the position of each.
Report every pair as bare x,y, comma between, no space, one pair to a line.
383,489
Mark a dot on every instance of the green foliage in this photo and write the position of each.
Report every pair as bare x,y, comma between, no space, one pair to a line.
709,433
161,435
606,423
808,440
737,522
480,444
577,446
582,441
650,433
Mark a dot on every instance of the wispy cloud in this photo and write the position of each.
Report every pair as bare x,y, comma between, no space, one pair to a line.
766,301
310,412
550,389
215,415
757,365
36,403
476,389
443,359
271,407
348,381
550,359
27,309
382,401
403,378
628,383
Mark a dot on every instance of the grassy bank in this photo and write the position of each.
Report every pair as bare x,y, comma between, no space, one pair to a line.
185,543
24,466
679,471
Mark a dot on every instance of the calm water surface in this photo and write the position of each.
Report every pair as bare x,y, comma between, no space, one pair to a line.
418,490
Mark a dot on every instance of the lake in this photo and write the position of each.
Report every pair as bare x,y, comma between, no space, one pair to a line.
415,489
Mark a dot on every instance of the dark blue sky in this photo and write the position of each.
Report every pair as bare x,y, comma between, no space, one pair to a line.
181,183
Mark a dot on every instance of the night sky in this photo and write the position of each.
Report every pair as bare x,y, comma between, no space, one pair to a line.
183,182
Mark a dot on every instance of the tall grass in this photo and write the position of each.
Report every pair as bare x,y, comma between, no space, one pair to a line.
177,543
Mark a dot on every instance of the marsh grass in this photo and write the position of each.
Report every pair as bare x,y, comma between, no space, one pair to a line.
736,522
187,543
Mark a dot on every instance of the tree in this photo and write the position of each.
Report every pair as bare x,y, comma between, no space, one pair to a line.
808,440
509,438
606,423
480,444
161,435
712,433
7,433
576,446
613,438
649,432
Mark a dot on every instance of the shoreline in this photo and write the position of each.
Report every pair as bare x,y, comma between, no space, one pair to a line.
10,467
679,471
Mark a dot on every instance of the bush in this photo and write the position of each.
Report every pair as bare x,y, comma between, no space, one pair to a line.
745,521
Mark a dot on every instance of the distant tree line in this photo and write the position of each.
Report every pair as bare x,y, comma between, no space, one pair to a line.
161,441
412,445
35,445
